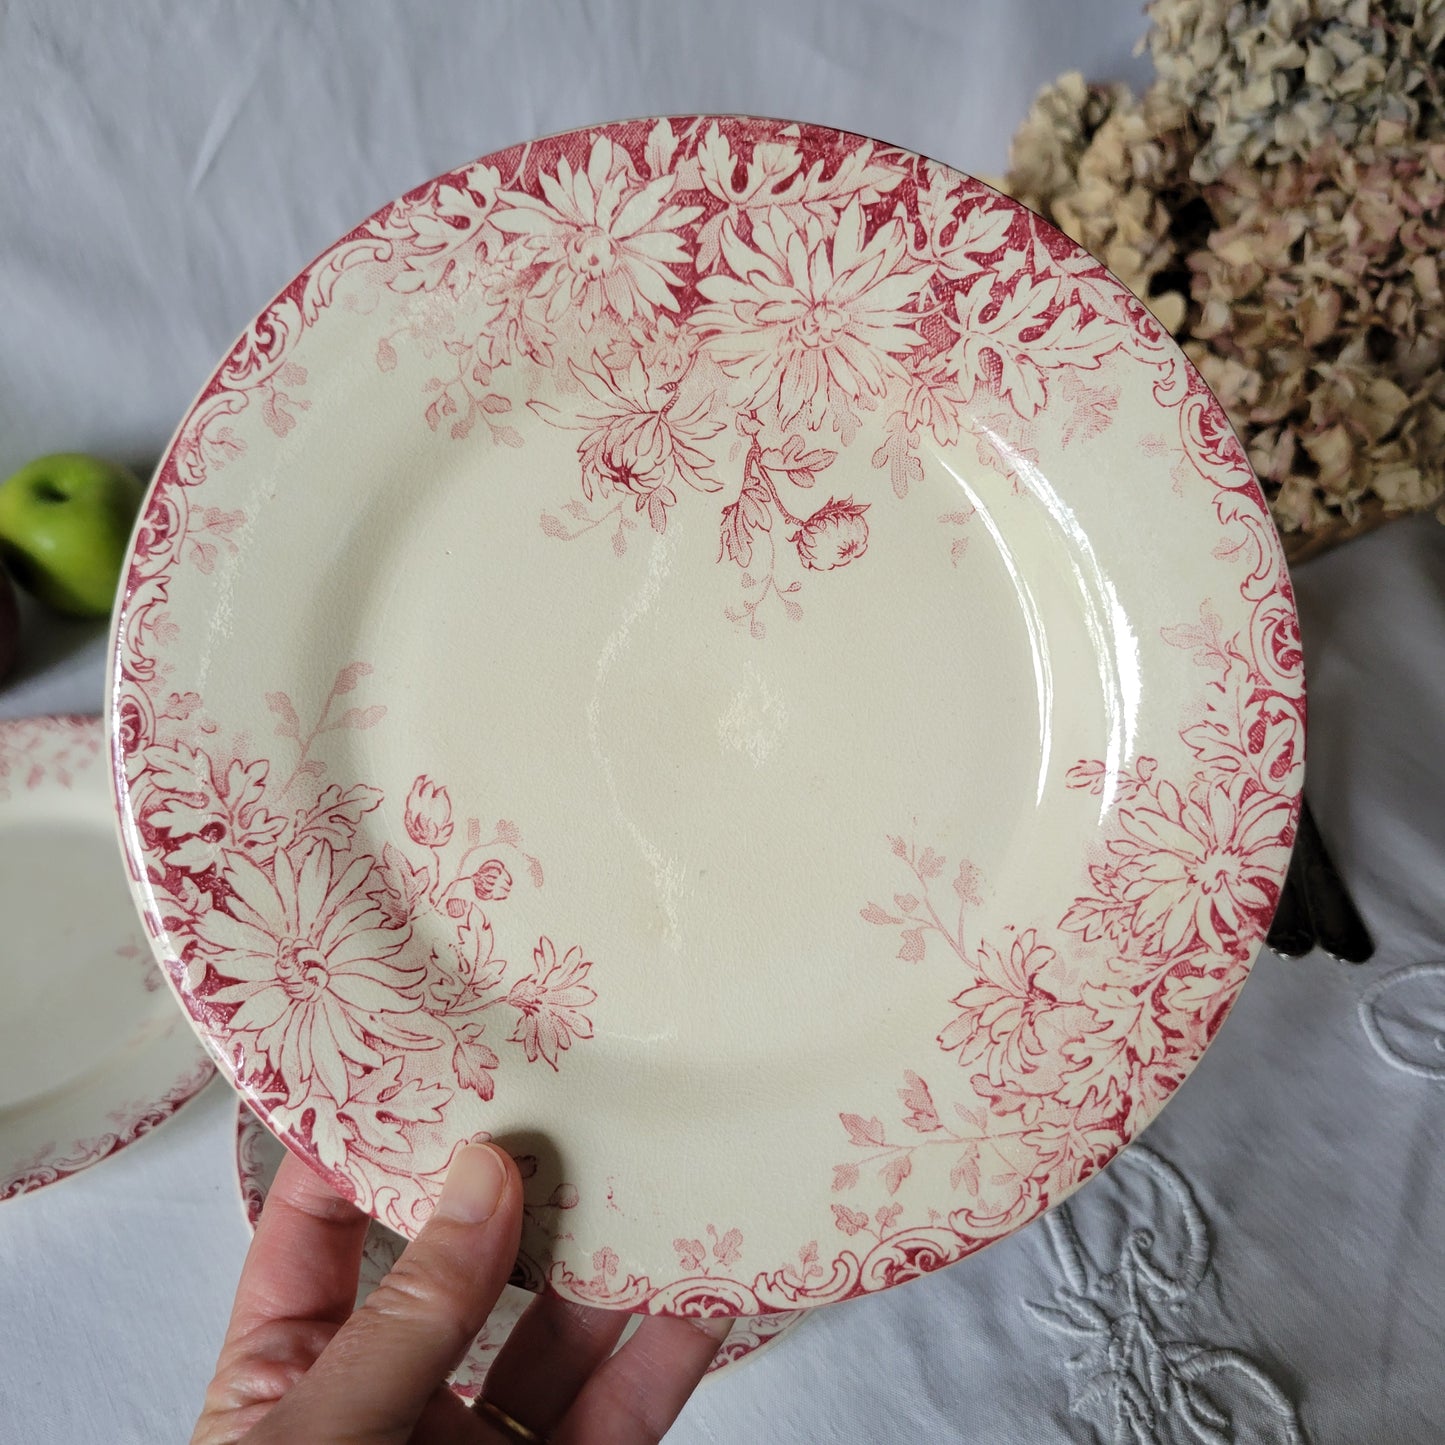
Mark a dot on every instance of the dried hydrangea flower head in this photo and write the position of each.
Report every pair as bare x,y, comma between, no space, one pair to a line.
1319,322
1102,165
1284,214
1270,81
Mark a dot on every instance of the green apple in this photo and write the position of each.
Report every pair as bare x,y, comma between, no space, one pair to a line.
9,625
65,521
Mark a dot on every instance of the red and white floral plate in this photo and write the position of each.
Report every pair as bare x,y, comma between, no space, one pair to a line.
93,1052
734,660
258,1157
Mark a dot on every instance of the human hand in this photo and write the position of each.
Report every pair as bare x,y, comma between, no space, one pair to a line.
299,1364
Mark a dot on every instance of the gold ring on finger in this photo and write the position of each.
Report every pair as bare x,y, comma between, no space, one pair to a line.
514,1429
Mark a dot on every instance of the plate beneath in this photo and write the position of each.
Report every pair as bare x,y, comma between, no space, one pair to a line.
93,1052
733,660
258,1157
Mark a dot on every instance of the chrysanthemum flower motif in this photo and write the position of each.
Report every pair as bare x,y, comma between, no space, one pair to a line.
603,238
805,318
1010,1027
315,970
1205,864
552,1001
1190,871
638,440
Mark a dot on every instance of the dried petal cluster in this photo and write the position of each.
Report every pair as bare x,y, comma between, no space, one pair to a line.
1269,81
1277,197
1107,168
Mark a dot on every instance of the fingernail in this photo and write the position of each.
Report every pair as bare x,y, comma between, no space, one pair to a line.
473,1186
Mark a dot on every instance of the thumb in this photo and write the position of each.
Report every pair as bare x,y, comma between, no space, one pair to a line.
375,1377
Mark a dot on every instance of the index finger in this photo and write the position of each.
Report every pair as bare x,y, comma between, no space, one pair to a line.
304,1262
297,1286
636,1394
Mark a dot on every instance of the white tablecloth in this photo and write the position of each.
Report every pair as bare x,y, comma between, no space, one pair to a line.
1269,1264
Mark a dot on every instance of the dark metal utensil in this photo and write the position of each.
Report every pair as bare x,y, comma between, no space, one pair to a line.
1339,929
1315,908
1291,935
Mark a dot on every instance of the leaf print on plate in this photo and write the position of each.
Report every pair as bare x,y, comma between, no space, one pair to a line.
1016,336
880,501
